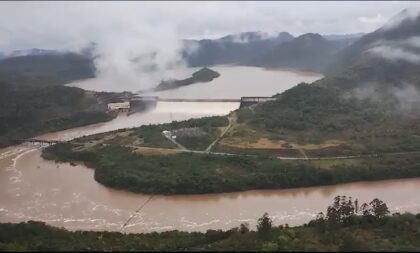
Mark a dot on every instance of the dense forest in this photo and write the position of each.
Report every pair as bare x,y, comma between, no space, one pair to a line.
346,226
28,110
310,113
119,167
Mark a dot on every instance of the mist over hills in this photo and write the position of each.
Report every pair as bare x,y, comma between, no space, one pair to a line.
231,49
390,55
350,37
45,67
347,56
309,51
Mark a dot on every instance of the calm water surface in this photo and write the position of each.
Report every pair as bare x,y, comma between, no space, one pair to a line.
234,82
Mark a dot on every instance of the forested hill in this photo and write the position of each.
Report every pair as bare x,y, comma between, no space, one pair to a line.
231,49
390,55
28,110
372,105
309,52
46,69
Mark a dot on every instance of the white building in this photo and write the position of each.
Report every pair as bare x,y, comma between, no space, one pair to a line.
119,106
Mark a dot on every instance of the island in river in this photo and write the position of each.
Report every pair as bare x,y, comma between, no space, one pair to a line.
202,75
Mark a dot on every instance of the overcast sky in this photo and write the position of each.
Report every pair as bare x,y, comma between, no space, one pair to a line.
43,24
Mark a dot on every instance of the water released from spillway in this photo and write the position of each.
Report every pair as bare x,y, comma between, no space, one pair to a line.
68,196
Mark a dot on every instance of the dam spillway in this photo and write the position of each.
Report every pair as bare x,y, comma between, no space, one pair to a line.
244,101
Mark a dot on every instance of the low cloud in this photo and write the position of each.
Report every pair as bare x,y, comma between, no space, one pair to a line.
398,50
406,97
395,54
377,19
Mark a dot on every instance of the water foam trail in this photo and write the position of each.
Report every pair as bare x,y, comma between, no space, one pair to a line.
191,224
12,167
12,152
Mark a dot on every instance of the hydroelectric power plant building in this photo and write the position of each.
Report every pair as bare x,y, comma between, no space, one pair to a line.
122,106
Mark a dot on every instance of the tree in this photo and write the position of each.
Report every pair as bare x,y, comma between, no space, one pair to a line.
264,225
379,208
244,228
356,206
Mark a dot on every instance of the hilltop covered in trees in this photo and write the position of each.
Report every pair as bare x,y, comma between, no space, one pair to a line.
202,75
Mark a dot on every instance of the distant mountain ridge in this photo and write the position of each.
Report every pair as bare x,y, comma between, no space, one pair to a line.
230,49
309,51
391,54
43,69
350,36
261,49
32,51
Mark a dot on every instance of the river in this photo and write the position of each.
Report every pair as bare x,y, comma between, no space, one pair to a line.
68,196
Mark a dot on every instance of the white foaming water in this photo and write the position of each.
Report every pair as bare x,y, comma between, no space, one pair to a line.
164,112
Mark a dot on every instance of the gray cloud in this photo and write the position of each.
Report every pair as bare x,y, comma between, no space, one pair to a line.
406,96
395,54
396,50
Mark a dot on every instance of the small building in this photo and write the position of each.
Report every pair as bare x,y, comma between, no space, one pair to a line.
123,106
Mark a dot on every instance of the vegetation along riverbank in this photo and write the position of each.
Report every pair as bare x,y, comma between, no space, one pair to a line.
346,226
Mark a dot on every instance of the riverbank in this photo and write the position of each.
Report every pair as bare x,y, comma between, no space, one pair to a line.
131,169
177,158
63,195
371,231
27,111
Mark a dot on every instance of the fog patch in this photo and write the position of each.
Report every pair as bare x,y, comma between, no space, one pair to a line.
137,60
404,98
366,91
134,49
191,47
247,37
395,54
397,50
408,98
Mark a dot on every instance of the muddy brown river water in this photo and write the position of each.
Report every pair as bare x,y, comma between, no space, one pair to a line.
68,196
